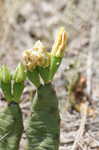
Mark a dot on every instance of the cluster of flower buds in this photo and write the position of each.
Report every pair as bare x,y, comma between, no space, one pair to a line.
39,62
12,84
38,56
36,61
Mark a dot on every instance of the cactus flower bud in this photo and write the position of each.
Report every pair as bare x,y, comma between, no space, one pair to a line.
38,56
5,82
20,73
43,67
18,82
57,52
36,61
60,43
5,75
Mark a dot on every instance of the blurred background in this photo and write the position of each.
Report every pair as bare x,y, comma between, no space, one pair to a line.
22,22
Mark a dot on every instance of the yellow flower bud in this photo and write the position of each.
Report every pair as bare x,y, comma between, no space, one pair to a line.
60,43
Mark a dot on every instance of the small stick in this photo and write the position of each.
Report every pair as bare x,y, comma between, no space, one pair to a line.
83,110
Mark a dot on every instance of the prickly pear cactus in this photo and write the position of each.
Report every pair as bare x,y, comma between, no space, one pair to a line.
11,127
11,123
44,126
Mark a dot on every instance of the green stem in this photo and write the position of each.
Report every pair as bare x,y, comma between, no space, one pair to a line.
55,62
44,125
33,76
11,127
44,73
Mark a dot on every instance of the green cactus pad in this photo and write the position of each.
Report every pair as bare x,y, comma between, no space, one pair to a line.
11,127
44,125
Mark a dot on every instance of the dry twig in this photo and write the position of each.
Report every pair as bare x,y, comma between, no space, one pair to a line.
84,109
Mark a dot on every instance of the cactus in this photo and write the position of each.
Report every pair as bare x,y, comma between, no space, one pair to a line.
12,85
44,124
11,123
11,127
